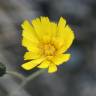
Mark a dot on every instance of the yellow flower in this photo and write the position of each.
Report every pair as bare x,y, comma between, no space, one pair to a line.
46,43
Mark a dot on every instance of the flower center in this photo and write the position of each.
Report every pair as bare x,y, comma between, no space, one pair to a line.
48,49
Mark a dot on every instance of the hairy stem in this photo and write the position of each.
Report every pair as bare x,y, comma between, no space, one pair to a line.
16,74
26,80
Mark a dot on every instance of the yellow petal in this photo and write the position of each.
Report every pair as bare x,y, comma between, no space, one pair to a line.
37,27
31,55
30,65
30,41
43,28
60,58
53,32
66,39
28,32
53,28
31,46
60,28
52,68
62,23
44,64
49,29
64,36
46,28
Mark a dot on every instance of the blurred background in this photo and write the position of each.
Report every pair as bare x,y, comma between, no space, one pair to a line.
75,78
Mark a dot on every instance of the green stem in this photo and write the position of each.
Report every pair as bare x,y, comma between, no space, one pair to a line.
26,80
16,74
31,77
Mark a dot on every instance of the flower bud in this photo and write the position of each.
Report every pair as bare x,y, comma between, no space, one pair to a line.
2,69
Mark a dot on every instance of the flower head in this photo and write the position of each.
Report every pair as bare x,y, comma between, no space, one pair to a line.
46,43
